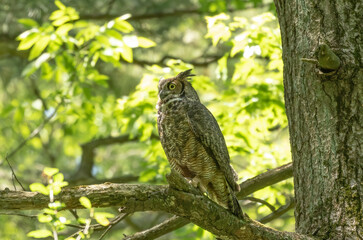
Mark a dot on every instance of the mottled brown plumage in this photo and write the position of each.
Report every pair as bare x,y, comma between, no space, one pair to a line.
194,143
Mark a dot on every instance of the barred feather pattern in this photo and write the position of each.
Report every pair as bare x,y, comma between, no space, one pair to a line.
194,144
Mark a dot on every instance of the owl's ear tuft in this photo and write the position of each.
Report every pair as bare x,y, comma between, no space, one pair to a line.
185,74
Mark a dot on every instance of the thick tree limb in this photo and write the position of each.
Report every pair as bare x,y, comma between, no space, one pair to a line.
265,179
27,200
138,197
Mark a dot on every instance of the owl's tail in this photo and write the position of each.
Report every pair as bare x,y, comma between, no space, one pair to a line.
234,206
222,193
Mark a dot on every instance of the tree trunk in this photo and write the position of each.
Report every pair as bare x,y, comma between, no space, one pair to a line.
324,109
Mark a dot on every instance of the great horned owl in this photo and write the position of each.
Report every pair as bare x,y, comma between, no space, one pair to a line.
193,141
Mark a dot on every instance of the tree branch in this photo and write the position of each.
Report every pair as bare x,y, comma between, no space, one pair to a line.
84,171
265,179
174,13
280,211
161,229
99,227
253,199
141,197
34,133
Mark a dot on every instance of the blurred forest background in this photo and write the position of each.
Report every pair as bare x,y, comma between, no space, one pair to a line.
78,89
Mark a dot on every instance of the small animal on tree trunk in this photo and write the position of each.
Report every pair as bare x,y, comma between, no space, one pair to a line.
194,143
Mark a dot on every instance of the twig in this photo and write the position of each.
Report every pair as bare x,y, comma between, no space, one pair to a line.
74,213
253,199
116,220
37,92
35,132
174,13
99,227
88,153
110,6
13,175
281,210
159,230
18,214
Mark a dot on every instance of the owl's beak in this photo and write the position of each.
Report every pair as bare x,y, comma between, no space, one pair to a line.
162,94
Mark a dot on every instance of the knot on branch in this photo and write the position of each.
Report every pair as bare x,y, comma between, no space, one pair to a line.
178,182
328,62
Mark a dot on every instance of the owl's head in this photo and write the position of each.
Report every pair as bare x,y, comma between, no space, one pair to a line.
177,87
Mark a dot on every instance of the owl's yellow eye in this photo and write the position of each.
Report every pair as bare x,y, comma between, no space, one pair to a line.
172,86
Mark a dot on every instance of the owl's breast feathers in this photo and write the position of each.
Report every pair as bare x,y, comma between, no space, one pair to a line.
175,134
192,139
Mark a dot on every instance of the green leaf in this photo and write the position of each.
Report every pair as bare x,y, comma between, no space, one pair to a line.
122,25
40,233
60,5
56,205
43,218
28,22
49,211
50,171
39,46
101,218
85,202
81,220
56,14
56,190
104,214
145,42
38,187
58,177
61,20
127,54
29,41
64,29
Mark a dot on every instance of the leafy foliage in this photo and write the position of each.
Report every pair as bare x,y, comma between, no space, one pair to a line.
69,88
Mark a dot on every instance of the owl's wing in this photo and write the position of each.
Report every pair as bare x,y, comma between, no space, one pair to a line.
206,128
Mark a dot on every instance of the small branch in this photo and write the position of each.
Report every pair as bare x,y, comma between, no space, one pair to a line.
265,179
74,213
37,92
159,230
99,227
14,175
88,153
110,6
280,211
253,199
115,221
175,13
141,17
18,214
85,168
35,132
197,62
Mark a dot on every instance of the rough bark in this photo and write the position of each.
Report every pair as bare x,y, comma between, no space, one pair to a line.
324,109
184,202
141,197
